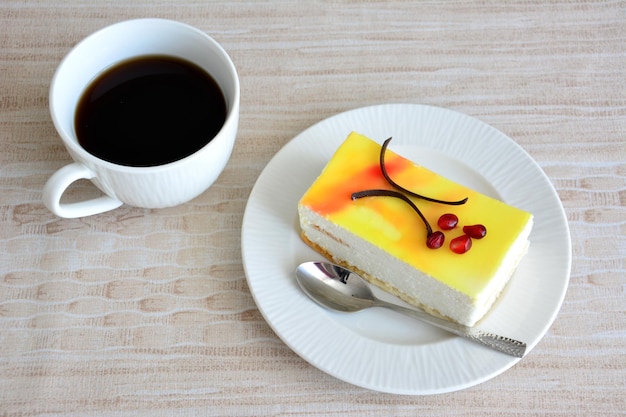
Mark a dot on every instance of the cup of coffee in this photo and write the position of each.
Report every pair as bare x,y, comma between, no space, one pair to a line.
148,110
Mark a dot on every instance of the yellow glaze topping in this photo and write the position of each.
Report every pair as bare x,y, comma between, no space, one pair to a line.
392,225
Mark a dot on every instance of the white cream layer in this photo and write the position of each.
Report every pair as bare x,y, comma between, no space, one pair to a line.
401,279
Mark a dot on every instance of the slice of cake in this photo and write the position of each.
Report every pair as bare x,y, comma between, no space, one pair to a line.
450,250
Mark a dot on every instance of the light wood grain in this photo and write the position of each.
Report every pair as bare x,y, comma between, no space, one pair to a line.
147,312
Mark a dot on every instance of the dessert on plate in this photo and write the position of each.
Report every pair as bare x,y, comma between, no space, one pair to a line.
434,243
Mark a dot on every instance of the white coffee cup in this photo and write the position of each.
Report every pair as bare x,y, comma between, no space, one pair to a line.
149,187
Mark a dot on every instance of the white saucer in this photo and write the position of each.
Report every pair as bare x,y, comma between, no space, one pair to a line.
379,349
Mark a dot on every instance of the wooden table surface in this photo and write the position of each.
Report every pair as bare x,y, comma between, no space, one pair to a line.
148,313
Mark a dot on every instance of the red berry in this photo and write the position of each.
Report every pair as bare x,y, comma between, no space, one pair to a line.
435,240
447,221
461,244
477,231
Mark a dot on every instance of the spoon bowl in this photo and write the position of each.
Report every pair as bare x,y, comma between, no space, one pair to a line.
334,287
340,289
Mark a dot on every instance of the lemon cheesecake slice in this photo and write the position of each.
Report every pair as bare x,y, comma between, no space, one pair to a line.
432,242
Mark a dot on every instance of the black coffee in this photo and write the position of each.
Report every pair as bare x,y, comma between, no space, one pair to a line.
149,111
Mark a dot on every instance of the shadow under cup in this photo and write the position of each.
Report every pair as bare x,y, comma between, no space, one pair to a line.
154,186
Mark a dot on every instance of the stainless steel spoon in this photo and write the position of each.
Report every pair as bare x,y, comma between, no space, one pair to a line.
338,288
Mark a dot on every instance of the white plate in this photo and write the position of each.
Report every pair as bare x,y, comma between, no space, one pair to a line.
379,349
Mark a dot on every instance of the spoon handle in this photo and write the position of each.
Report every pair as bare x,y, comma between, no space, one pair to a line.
500,343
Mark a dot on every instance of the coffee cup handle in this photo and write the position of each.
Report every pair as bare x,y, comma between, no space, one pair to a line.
61,180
